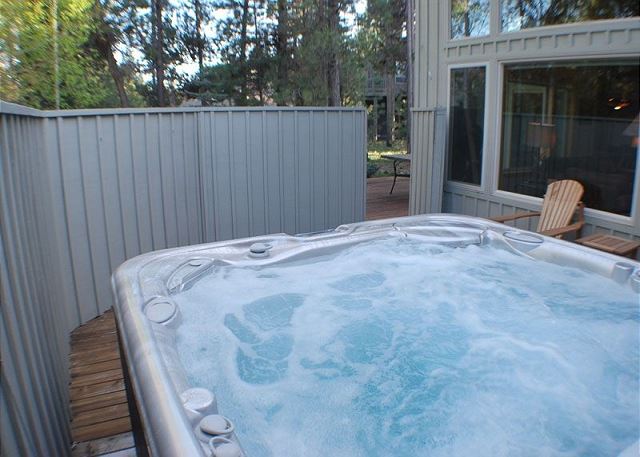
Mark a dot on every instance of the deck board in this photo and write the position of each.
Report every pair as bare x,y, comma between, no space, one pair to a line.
98,401
95,389
100,423
104,446
380,204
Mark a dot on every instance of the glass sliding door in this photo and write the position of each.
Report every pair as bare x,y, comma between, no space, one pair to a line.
466,124
572,120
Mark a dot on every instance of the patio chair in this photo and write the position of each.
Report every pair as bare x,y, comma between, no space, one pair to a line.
561,202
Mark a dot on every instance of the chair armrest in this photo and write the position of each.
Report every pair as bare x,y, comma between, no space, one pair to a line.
514,216
562,230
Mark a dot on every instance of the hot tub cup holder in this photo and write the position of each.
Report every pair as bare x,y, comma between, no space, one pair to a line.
161,310
193,415
621,272
224,447
198,398
198,402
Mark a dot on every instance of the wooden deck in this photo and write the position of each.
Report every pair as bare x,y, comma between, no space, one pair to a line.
380,204
100,424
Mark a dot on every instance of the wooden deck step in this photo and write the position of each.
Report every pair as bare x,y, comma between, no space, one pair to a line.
100,423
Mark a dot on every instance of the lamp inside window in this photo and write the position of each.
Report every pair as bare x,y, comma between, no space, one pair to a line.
541,137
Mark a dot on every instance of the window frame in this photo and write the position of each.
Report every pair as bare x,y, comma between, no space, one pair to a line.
491,32
634,214
497,5
495,26
484,169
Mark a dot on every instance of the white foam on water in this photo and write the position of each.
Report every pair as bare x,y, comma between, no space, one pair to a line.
395,347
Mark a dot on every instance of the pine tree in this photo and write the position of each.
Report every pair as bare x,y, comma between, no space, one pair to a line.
104,38
385,32
192,26
47,57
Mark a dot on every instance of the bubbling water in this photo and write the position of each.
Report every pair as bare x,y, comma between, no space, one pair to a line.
395,347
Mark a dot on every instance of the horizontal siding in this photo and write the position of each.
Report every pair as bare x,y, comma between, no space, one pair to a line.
487,206
436,53
83,191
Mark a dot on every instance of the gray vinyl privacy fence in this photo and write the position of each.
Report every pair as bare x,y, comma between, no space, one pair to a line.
81,191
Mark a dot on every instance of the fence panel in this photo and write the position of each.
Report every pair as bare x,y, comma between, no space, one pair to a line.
280,170
33,314
84,190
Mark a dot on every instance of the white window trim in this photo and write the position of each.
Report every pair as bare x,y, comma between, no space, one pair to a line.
484,169
632,220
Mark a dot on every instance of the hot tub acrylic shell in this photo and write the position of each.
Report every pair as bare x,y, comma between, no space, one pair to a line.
147,316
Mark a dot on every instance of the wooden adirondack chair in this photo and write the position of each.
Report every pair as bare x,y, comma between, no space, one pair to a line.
561,201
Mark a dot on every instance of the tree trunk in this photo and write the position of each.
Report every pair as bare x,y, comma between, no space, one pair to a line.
56,55
390,88
104,45
334,83
259,50
334,64
376,115
282,51
104,42
158,51
321,94
409,69
199,39
243,51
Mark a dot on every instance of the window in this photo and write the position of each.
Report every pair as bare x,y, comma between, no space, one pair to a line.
466,124
469,18
572,120
523,14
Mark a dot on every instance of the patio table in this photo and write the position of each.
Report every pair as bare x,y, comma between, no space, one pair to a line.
611,244
397,159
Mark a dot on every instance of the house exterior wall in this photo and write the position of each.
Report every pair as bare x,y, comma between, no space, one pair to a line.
436,54
81,191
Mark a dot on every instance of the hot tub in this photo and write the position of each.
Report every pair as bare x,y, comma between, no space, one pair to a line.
425,335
